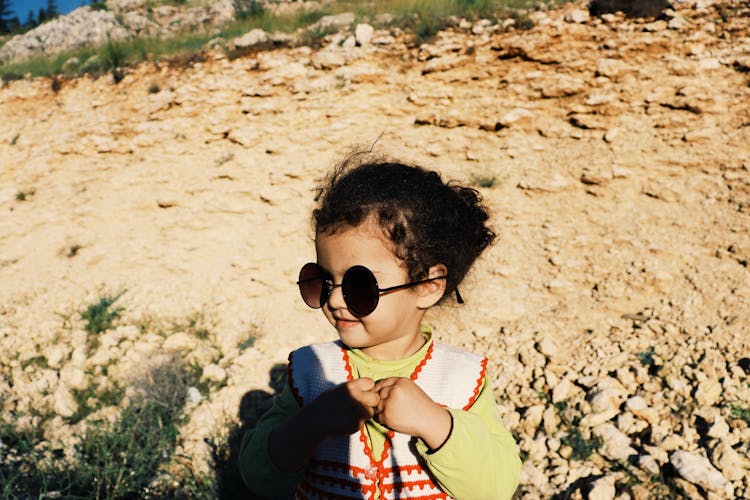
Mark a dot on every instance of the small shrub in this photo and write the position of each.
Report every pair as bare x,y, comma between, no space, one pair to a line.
90,401
100,316
194,378
195,325
248,342
647,357
115,56
22,472
582,447
24,195
154,88
14,141
561,406
98,6
245,9
522,20
39,361
741,413
123,459
484,181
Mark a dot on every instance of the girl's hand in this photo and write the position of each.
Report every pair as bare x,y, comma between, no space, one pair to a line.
343,409
404,407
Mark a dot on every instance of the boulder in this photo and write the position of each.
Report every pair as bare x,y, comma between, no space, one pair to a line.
697,469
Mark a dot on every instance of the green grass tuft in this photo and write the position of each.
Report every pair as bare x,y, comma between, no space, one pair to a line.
246,343
123,459
100,316
647,357
741,413
582,447
39,361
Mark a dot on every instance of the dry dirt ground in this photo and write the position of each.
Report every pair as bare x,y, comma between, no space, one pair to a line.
613,153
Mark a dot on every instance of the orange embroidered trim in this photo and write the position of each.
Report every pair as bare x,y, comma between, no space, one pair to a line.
290,373
479,385
382,473
408,469
347,366
328,465
421,364
410,485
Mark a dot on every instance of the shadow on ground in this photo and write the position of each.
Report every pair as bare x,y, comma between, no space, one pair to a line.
253,405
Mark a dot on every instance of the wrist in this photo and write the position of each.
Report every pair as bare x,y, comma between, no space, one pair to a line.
439,429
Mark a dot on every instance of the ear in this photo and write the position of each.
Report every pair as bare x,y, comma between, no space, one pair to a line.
431,292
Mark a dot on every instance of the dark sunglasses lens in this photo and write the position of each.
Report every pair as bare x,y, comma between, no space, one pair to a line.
360,290
312,285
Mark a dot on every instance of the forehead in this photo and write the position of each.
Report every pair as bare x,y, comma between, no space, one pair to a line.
364,245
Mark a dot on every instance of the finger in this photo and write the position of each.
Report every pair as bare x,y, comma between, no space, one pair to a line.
364,384
370,399
385,382
379,410
385,392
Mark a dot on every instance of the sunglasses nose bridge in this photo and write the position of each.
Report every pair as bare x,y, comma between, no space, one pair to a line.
335,297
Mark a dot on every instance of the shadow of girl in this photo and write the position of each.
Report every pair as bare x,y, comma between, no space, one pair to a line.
254,404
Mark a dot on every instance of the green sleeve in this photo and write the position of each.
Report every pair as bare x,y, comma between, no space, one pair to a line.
258,471
480,458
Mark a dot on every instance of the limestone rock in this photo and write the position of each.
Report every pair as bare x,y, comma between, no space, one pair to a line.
615,444
179,341
719,429
515,117
638,407
603,488
608,394
249,39
578,16
562,86
329,58
214,373
363,34
611,68
64,403
333,22
649,464
79,28
440,64
708,392
698,470
732,464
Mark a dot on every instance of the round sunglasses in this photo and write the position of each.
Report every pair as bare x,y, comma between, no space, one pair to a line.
359,287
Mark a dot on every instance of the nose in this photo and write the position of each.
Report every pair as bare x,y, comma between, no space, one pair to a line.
336,299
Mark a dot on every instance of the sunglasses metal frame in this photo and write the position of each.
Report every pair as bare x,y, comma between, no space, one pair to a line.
331,285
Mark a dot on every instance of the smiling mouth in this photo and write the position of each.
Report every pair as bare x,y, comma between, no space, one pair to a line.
345,323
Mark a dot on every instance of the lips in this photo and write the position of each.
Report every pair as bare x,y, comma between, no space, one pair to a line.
345,323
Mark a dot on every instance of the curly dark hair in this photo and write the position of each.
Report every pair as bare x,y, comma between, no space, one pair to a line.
428,221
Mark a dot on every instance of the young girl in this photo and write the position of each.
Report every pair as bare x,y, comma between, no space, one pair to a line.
386,411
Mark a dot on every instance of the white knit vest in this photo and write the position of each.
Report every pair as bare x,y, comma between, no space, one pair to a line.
343,466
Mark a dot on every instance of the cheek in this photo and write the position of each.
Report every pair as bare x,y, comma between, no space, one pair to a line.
327,313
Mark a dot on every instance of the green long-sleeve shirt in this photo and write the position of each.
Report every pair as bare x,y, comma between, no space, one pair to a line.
478,461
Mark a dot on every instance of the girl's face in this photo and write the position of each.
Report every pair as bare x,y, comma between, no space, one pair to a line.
392,330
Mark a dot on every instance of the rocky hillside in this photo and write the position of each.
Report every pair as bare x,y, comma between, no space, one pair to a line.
121,20
615,307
